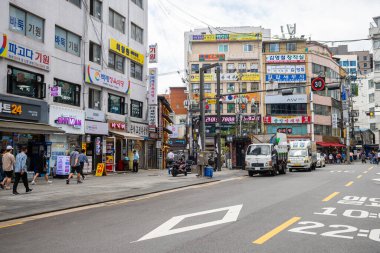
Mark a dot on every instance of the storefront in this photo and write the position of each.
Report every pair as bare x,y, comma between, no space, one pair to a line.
139,142
96,131
23,122
72,122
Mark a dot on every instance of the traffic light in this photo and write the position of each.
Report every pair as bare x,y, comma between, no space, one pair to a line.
334,86
371,114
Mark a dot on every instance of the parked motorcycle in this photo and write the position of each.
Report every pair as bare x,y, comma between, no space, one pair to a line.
179,167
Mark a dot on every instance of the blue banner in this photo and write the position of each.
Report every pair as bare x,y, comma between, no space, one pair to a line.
282,78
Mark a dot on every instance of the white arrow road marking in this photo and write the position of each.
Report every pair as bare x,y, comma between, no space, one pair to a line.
166,228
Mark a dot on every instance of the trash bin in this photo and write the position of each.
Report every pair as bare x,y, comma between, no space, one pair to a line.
208,171
126,163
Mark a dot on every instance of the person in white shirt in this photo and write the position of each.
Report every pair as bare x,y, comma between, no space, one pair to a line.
171,155
378,157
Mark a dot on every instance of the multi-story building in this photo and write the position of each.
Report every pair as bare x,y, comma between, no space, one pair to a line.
304,114
80,67
364,58
350,64
238,51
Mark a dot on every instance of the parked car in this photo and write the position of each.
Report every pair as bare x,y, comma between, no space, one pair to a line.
320,161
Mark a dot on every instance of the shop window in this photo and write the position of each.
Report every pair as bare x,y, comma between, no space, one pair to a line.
136,71
25,83
116,21
94,99
116,62
26,23
286,109
95,52
230,108
139,3
96,9
70,93
137,33
136,108
67,41
116,104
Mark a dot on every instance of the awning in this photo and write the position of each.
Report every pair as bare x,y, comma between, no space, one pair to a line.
330,144
128,136
28,127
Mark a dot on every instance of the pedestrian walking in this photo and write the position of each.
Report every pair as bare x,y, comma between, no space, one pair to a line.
344,157
364,157
331,158
75,166
351,157
82,159
338,158
41,168
378,158
136,158
2,174
8,161
21,171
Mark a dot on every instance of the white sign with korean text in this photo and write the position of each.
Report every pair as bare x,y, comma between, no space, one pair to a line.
285,69
292,99
153,53
334,120
284,58
107,80
152,86
152,118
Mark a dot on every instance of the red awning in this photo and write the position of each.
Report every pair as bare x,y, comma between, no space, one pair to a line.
330,144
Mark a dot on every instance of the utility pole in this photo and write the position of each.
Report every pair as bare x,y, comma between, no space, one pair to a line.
218,121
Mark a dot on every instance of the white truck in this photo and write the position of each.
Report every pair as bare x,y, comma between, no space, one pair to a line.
264,158
302,156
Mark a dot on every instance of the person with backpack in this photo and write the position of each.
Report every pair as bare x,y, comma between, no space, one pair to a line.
75,166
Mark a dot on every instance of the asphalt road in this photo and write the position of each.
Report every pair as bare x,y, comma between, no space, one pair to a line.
333,209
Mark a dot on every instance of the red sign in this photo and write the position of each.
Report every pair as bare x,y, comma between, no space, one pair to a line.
212,57
318,84
117,125
287,120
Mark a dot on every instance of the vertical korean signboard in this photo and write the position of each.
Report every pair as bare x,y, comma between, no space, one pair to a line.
152,99
153,53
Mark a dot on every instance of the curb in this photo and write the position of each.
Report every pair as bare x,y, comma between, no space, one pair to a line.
108,200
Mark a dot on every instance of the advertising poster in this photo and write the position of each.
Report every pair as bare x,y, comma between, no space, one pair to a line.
63,165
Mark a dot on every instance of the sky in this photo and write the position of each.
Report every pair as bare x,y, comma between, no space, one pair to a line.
322,20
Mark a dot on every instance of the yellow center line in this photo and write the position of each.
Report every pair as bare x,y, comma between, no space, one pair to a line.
277,230
11,225
349,183
359,176
332,195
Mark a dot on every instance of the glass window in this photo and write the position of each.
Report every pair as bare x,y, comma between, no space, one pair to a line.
248,48
76,2
365,65
136,108
116,20
136,71
274,47
230,108
26,23
254,86
243,108
243,87
352,63
207,87
364,58
321,109
195,87
94,99
223,48
116,62
230,87
96,9
371,84
139,3
194,68
376,44
25,83
372,126
95,52
284,109
206,66
137,33
70,93
115,104
377,65
242,67
291,46
255,108
322,130
231,68
67,41
371,97
254,67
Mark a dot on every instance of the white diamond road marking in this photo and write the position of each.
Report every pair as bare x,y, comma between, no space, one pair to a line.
166,228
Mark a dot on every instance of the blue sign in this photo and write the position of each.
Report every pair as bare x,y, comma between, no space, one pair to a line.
282,78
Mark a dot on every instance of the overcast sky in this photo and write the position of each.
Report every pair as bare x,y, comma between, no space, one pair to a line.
322,20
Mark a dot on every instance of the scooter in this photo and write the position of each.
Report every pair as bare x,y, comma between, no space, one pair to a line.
179,167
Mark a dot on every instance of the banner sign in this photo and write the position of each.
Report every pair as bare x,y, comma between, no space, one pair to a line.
126,51
152,87
286,69
212,57
55,91
285,58
63,166
334,120
24,54
209,77
106,80
287,120
281,78
152,118
226,37
19,111
153,53
250,76
231,119
292,99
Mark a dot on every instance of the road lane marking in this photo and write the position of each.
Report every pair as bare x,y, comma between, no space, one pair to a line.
359,176
276,230
332,195
349,183
365,172
370,168
168,227
11,225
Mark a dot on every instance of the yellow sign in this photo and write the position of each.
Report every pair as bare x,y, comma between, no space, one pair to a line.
209,95
211,101
207,77
126,51
100,169
246,36
84,146
109,159
250,76
227,37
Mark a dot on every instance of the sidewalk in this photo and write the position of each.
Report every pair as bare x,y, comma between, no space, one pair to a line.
58,195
